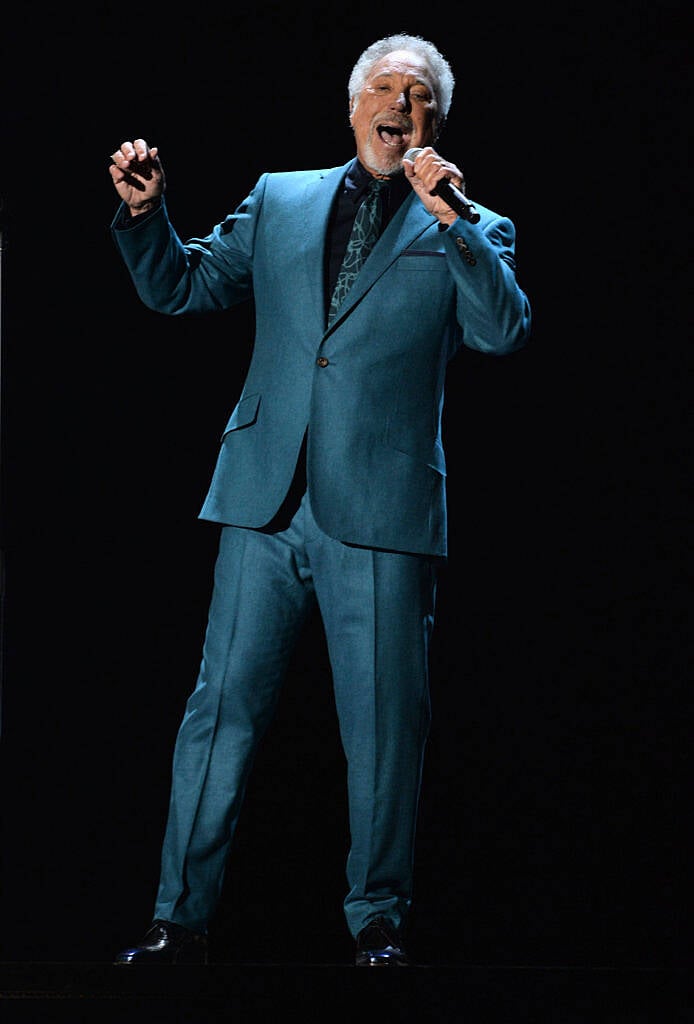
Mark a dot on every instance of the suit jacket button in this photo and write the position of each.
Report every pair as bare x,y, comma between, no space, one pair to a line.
321,361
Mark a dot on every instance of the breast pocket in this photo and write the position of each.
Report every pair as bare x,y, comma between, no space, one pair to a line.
421,260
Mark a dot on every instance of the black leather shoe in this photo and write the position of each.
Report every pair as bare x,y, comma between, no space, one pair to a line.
379,945
167,943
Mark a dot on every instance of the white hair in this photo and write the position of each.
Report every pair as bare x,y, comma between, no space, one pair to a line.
442,74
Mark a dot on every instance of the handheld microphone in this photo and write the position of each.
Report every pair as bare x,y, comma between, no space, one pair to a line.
451,195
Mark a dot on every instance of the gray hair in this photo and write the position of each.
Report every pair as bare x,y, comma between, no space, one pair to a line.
437,63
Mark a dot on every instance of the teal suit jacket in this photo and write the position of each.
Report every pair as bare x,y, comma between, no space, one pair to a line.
369,390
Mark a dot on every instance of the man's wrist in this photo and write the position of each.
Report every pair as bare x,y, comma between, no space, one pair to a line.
146,206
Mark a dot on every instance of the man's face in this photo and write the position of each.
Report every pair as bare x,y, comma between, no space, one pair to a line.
395,111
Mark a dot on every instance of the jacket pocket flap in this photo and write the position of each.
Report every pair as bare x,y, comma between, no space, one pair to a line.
435,458
244,414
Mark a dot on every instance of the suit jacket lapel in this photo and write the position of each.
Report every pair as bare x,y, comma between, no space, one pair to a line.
319,197
411,221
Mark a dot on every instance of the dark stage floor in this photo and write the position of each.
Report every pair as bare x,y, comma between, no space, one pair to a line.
332,993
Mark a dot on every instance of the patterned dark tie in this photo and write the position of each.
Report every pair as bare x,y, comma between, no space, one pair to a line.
364,236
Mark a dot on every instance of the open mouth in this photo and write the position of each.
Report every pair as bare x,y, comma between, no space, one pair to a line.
392,136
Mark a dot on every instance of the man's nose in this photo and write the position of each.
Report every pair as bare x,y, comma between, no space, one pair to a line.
402,100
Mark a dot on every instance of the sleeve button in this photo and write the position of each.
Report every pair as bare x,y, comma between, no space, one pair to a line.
321,361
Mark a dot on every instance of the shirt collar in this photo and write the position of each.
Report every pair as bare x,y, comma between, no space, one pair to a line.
358,178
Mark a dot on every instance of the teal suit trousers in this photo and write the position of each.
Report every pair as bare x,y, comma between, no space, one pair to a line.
377,609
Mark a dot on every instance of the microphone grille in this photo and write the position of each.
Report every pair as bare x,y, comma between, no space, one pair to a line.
411,154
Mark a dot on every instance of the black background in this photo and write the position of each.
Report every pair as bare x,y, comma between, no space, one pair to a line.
555,808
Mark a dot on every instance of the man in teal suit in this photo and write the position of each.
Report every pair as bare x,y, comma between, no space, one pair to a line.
330,481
